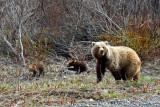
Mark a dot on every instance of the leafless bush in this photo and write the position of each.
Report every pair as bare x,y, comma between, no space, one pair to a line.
16,24
81,51
65,22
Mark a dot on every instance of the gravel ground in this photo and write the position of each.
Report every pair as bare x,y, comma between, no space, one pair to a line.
150,102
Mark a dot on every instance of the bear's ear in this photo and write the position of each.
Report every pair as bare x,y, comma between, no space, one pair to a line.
73,60
106,42
93,43
34,67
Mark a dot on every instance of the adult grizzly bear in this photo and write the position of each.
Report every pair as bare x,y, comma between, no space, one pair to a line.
123,62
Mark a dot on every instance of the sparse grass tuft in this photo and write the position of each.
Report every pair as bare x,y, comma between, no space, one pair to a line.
147,79
109,94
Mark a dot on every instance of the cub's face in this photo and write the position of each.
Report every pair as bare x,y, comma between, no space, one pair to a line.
32,68
70,63
99,49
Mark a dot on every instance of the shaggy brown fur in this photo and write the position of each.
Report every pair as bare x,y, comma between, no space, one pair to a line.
78,66
123,62
36,68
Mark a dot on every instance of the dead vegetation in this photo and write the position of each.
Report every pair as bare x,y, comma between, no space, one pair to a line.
62,87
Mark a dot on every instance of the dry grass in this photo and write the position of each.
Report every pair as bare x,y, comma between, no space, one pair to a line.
56,88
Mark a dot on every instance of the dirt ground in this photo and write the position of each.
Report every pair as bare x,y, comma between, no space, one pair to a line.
60,86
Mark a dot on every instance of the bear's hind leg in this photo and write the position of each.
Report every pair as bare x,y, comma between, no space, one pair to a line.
78,70
132,72
136,77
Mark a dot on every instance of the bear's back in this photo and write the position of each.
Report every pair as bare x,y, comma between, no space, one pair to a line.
127,53
125,50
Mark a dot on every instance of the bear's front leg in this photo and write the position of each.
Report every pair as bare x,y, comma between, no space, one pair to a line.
41,72
34,74
100,69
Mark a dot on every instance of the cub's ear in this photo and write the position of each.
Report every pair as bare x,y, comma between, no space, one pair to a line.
34,66
93,43
106,42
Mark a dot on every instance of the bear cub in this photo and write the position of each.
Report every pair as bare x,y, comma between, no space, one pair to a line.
123,62
37,69
78,66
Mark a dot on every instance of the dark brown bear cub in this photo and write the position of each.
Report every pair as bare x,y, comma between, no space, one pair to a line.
37,69
78,66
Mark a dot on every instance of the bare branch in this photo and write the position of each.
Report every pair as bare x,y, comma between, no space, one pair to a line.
10,45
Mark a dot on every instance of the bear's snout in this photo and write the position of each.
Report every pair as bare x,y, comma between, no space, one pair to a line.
102,52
